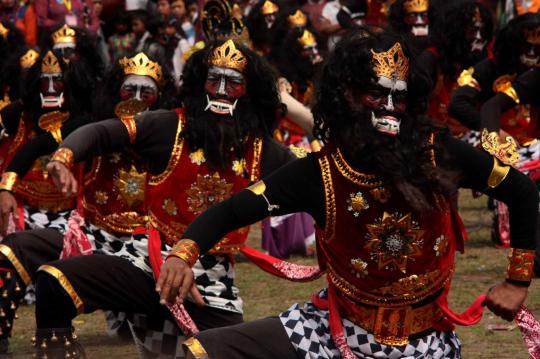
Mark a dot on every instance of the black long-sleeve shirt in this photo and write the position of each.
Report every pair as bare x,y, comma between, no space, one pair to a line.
154,141
527,87
298,187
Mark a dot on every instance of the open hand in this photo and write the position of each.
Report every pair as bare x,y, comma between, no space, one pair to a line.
176,281
505,299
63,178
8,205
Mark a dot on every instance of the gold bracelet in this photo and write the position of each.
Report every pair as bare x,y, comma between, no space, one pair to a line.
63,155
187,250
8,181
520,264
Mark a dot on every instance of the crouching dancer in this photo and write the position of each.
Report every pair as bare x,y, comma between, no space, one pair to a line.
380,192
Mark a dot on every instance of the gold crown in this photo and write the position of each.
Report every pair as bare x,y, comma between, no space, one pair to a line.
140,64
416,6
477,17
392,64
3,31
28,59
269,8
64,35
297,19
228,56
50,64
307,39
533,36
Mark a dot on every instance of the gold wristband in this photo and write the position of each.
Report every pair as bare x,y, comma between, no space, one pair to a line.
498,173
520,264
8,181
63,155
187,250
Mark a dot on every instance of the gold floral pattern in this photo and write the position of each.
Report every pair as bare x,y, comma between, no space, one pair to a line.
441,243
131,185
410,285
101,197
239,167
207,191
381,194
393,239
359,267
197,157
170,207
356,203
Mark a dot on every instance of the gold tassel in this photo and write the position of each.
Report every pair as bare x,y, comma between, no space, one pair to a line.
5,293
13,307
43,344
54,338
8,275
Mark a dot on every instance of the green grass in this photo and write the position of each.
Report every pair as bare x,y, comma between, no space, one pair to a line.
480,267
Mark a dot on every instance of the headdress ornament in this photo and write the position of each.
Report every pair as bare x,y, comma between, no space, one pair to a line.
3,31
219,14
28,59
477,17
50,64
297,19
228,56
64,35
416,6
141,65
533,35
307,39
392,64
269,8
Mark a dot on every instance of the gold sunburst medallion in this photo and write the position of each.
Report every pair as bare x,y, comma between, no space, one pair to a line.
207,191
131,185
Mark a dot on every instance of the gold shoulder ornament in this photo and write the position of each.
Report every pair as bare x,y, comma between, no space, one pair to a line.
52,122
466,79
504,85
506,152
126,111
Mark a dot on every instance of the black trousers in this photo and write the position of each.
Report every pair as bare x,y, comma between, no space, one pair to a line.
261,339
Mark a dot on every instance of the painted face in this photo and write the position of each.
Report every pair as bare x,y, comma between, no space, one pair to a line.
387,101
66,50
530,54
223,89
312,54
139,87
51,90
474,36
418,23
270,19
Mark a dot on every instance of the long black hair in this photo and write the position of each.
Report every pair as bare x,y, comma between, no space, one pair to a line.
404,160
256,113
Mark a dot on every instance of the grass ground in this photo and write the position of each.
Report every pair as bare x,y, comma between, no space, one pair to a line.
479,268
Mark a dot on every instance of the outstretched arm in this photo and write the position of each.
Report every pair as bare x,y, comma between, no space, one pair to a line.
296,187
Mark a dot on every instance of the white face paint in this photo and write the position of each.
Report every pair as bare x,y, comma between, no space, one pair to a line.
529,58
479,43
223,88
66,49
138,87
49,96
388,124
420,28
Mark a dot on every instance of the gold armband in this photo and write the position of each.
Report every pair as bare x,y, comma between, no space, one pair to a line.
298,152
187,250
504,85
63,155
506,152
498,173
8,181
196,348
129,122
520,264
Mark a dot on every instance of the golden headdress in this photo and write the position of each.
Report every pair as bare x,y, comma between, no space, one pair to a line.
307,39
269,8
140,64
228,56
392,64
533,35
3,31
28,59
64,35
416,6
297,19
50,64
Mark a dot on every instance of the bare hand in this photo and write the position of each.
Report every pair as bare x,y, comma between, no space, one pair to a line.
8,205
63,178
505,299
176,281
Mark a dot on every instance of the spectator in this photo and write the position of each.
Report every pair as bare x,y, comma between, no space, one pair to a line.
181,15
100,41
163,8
74,13
122,41
23,16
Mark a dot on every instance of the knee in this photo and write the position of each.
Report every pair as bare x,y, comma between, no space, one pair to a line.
48,289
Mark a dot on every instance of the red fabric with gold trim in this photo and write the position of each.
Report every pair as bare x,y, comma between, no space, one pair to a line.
375,248
10,145
188,186
114,193
517,122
